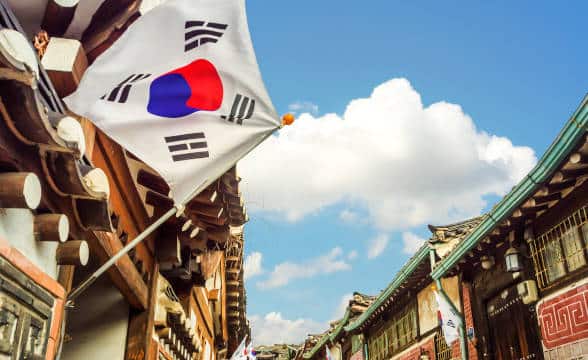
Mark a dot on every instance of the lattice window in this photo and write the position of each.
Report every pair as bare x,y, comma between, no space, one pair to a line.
377,346
442,351
561,249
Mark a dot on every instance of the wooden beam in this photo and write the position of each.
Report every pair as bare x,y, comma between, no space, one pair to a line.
51,227
65,62
534,209
561,185
158,201
153,182
20,190
167,246
213,211
575,172
221,236
75,252
220,221
578,158
208,196
213,294
58,16
547,198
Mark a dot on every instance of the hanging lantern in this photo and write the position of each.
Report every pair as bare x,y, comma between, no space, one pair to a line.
513,260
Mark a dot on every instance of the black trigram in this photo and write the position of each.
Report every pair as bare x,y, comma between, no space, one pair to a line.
200,32
187,146
242,109
126,88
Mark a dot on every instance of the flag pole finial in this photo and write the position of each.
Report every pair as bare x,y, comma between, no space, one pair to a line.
288,119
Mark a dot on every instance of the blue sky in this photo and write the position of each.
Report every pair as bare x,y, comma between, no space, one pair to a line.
515,70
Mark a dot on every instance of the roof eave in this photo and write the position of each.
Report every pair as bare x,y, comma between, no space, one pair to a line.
567,139
402,275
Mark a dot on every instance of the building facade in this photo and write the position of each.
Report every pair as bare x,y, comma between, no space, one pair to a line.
71,198
518,275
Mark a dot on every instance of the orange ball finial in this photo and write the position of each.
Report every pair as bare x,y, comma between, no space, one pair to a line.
288,119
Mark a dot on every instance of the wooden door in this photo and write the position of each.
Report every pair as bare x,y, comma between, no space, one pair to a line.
513,327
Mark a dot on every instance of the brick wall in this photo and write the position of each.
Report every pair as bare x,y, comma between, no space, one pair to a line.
426,345
563,319
469,320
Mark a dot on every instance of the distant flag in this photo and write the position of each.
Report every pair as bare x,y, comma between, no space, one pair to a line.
251,353
181,90
449,319
238,354
329,355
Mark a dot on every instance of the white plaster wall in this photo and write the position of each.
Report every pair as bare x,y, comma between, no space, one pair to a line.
97,326
16,226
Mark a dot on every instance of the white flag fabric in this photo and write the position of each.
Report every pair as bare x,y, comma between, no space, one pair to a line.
238,354
250,352
328,354
450,320
181,90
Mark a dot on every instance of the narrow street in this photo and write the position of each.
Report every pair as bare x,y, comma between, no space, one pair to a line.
309,180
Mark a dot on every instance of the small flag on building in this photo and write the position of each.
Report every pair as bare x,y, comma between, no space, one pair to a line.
181,90
449,319
328,354
238,354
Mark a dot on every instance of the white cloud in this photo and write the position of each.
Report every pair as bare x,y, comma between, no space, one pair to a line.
274,329
411,242
253,265
304,107
352,255
348,216
342,306
377,246
287,271
403,163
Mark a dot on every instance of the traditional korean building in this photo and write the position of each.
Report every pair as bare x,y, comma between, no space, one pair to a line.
340,344
525,264
70,198
402,322
518,275
277,352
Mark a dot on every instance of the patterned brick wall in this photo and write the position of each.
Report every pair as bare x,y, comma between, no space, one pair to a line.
563,319
469,320
414,352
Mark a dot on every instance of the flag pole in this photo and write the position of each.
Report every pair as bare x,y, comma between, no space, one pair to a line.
102,269
177,208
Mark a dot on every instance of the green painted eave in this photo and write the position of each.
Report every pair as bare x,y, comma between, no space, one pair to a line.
408,268
323,341
572,133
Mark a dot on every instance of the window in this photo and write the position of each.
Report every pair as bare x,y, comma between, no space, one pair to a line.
395,335
561,249
442,351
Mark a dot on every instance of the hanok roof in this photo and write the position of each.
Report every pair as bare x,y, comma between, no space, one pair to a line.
277,351
559,170
446,237
357,306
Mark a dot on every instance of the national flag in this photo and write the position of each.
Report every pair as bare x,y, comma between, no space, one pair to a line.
328,354
238,354
181,90
251,353
449,319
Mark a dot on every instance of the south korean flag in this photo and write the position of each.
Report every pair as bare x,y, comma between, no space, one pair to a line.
181,89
